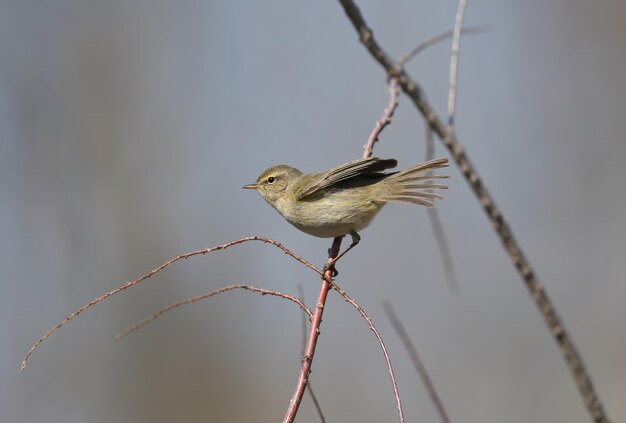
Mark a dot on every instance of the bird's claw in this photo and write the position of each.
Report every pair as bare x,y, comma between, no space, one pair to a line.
330,266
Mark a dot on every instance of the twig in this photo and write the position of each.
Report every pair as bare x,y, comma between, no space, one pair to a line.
210,294
417,361
317,404
354,304
385,119
454,65
435,39
307,358
333,252
435,222
433,213
534,286
158,269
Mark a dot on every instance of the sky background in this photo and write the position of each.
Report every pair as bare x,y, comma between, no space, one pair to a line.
127,128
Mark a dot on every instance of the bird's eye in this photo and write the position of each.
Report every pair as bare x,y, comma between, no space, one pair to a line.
271,180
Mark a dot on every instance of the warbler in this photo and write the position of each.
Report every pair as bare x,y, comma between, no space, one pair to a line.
344,200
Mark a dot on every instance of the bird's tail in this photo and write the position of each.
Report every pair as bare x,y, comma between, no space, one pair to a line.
413,185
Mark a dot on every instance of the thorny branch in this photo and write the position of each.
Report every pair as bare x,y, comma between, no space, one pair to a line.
316,402
500,225
333,252
157,270
368,148
307,358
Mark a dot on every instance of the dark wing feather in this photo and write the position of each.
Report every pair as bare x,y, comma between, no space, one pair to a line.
347,171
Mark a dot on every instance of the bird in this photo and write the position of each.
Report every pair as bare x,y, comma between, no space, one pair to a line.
345,199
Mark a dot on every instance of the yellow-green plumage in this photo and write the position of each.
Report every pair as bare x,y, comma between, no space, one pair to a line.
345,198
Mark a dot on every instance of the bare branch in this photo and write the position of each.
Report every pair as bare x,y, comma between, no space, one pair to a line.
333,255
537,291
210,294
318,407
417,361
307,358
370,323
435,39
454,64
157,270
385,119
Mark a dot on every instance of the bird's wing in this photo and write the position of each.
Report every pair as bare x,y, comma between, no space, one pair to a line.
346,171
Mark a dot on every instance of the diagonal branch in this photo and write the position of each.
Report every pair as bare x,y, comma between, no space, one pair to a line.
316,402
368,149
307,358
502,228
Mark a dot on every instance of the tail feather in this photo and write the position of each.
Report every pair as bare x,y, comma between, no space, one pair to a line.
414,200
426,178
424,167
425,186
421,194
407,186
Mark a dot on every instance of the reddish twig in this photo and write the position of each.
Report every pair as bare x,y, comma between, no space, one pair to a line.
210,294
537,292
307,358
158,269
385,119
333,252
417,361
309,387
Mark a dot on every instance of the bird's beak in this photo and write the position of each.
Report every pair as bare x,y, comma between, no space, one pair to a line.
251,186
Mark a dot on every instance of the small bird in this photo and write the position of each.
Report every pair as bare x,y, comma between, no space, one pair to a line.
344,200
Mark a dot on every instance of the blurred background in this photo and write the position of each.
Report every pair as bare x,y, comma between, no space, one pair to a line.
128,127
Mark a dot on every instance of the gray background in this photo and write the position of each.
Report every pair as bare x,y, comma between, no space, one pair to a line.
127,128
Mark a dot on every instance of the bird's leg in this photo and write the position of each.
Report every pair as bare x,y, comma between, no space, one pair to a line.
356,238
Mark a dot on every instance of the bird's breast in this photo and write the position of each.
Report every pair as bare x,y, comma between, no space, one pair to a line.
328,214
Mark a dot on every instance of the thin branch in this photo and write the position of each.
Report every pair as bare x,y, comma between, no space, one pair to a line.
435,39
307,358
370,323
537,291
417,361
333,253
304,322
454,64
385,119
158,269
435,222
210,294
316,402
433,214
